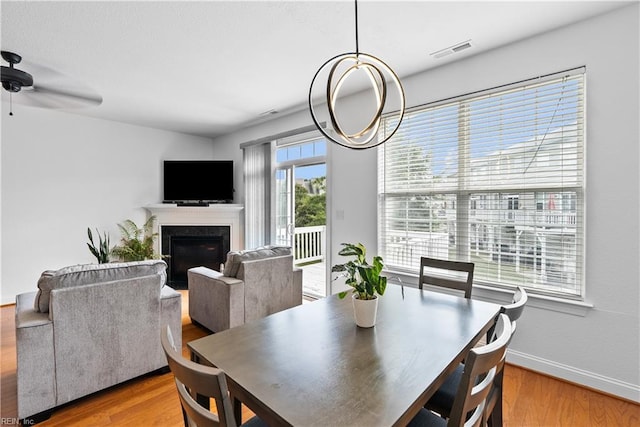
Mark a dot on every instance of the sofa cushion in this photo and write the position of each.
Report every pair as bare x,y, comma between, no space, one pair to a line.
86,274
234,258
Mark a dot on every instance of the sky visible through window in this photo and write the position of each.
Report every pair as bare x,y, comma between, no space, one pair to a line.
533,111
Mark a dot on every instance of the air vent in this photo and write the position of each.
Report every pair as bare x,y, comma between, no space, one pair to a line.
268,113
458,47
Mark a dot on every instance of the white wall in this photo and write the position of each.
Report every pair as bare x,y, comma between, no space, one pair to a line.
62,173
598,347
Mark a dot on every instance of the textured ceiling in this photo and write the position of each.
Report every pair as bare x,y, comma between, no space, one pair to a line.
207,68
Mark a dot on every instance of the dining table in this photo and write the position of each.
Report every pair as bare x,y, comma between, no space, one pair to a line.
312,366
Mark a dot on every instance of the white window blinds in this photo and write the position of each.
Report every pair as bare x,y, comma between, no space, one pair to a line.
495,178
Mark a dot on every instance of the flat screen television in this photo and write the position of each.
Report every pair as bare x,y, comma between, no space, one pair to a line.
198,181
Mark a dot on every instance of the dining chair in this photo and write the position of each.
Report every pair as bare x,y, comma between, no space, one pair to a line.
446,274
513,310
493,410
475,384
193,379
442,400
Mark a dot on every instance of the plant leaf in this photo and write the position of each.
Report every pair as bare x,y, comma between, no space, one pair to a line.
365,279
351,249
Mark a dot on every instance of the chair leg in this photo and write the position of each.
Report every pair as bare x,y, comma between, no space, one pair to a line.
185,418
495,418
237,410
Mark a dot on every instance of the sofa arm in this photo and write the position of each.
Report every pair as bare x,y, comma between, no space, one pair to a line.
215,301
270,286
35,358
297,286
171,313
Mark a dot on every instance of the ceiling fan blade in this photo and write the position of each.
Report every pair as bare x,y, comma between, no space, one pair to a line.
49,97
85,98
53,89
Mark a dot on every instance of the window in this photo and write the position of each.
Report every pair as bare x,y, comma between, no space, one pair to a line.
495,178
317,148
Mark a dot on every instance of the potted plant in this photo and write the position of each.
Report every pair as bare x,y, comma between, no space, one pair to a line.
102,250
366,281
137,242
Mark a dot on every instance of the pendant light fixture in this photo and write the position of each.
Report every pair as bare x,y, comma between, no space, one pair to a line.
361,131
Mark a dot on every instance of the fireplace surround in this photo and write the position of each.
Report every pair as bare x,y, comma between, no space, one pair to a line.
198,223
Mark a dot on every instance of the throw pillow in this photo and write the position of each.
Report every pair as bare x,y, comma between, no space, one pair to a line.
234,258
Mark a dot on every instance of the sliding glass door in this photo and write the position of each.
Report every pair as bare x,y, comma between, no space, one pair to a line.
300,214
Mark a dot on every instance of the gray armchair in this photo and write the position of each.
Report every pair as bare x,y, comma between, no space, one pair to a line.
255,283
89,327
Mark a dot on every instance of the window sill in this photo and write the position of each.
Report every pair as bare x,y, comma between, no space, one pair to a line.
503,296
545,302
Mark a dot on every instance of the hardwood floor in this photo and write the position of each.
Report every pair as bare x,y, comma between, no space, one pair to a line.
530,399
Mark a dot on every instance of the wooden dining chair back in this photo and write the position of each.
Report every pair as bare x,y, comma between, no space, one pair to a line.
456,275
493,410
477,378
194,379
493,405
513,310
468,388
442,400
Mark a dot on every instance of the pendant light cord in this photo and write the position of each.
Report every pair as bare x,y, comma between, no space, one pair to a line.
380,76
357,49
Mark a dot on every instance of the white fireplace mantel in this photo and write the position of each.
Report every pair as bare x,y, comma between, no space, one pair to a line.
217,214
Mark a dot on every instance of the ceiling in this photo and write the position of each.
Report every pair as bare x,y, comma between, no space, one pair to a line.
207,68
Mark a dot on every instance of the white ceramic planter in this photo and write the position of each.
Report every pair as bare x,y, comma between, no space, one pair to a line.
365,311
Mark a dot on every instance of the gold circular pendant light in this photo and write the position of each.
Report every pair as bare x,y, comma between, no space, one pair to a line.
337,71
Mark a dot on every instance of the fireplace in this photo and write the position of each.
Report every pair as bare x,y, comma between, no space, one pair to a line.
190,246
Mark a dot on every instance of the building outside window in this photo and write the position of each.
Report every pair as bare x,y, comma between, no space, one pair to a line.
495,178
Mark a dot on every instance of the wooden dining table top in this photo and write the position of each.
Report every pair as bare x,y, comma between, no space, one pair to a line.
312,366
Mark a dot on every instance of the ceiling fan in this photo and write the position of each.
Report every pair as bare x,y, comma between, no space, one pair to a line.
52,89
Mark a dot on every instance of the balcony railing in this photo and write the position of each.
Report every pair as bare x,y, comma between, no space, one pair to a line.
404,249
309,244
541,218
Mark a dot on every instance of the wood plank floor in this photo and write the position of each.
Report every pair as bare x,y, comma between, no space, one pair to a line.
530,399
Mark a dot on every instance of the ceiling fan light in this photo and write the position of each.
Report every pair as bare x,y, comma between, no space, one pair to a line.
11,86
13,79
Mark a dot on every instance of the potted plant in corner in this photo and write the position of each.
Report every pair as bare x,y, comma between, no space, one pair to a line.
137,242
366,281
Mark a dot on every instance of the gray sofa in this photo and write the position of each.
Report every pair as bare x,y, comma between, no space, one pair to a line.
89,327
254,284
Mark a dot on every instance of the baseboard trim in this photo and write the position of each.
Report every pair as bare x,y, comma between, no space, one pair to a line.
588,379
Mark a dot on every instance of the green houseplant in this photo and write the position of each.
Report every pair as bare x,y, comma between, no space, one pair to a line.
366,281
136,243
364,278
101,252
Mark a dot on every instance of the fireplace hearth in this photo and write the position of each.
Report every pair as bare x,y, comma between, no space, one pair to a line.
190,246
